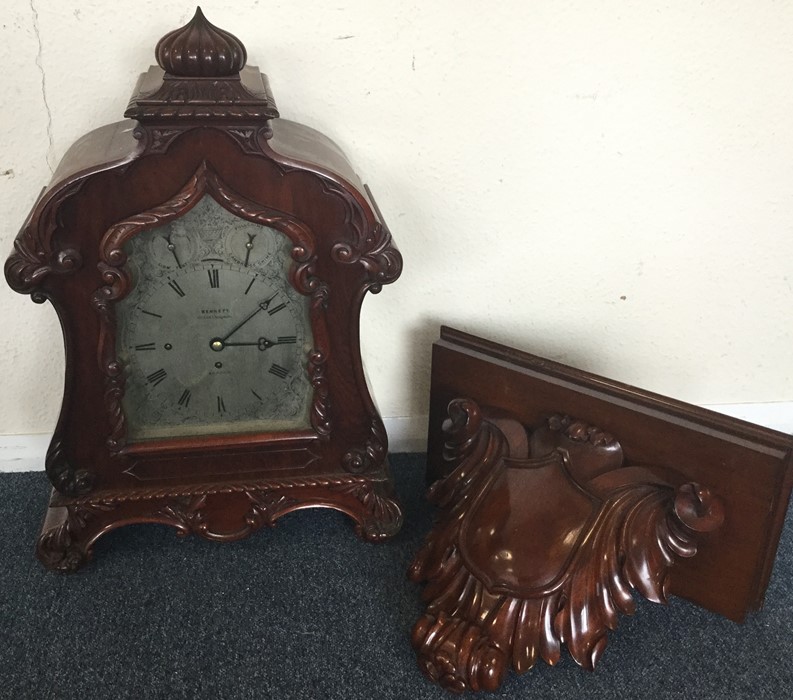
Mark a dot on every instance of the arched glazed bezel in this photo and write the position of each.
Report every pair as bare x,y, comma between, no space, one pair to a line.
118,283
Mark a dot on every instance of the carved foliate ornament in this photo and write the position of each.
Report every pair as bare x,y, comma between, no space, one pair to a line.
541,540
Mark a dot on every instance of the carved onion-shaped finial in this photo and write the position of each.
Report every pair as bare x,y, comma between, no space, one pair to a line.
200,50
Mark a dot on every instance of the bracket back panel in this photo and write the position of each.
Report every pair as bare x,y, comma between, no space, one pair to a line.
749,467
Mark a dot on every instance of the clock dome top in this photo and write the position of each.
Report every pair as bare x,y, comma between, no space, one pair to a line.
200,50
202,76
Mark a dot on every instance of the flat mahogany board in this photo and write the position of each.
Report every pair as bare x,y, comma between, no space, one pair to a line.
749,467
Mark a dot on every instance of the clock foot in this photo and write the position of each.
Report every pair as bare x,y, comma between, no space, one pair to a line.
379,515
68,534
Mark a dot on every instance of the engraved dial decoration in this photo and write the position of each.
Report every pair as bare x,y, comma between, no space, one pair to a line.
212,336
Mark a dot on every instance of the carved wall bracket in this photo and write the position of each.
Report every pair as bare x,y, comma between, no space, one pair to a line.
548,525
541,540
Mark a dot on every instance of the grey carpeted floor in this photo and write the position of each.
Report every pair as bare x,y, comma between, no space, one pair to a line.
309,611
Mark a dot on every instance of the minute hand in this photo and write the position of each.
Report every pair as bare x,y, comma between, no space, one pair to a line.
263,305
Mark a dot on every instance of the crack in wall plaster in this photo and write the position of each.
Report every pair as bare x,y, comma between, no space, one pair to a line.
51,141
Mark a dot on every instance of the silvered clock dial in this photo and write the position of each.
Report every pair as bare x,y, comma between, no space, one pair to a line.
212,336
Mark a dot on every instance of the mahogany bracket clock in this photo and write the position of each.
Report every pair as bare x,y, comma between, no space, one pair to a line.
207,261
561,495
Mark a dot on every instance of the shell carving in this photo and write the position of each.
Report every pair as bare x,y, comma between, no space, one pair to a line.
200,50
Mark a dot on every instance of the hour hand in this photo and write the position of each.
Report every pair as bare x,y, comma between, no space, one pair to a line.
172,248
262,343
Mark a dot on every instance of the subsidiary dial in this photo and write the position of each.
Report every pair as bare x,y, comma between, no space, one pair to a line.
171,247
254,246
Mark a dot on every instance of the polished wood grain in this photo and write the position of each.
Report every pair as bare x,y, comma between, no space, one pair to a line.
541,538
561,493
749,467
206,125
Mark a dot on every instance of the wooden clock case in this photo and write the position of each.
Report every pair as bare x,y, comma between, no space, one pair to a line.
204,124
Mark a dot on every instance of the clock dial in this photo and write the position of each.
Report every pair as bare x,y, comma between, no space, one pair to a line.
248,247
212,336
171,247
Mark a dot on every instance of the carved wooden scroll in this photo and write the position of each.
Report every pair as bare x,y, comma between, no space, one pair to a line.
570,494
541,540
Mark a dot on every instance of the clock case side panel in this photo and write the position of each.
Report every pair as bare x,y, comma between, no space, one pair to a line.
366,246
46,251
40,249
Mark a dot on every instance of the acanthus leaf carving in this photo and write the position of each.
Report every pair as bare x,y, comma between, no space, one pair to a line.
36,254
186,514
320,408
64,547
116,285
62,474
377,254
478,622
247,138
372,245
156,139
267,507
382,516
369,456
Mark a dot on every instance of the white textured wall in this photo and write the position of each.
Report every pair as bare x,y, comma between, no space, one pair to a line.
607,183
